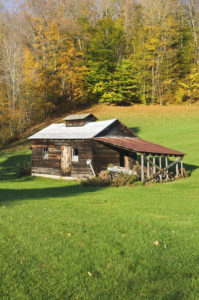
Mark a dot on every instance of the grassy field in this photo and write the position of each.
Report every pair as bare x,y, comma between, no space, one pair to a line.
59,240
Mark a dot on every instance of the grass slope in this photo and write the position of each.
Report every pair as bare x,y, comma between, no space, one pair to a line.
59,240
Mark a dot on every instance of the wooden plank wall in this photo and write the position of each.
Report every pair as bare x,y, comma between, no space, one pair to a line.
117,129
81,169
52,166
100,154
104,155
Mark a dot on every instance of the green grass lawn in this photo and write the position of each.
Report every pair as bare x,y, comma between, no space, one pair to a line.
60,240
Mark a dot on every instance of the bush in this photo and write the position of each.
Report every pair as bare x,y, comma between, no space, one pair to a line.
124,179
119,180
24,169
96,181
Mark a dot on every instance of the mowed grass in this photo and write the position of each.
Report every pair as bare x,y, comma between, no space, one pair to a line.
60,240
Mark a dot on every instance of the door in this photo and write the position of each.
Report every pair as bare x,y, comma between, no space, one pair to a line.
121,160
66,160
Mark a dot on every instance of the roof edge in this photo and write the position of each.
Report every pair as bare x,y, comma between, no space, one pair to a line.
178,153
113,121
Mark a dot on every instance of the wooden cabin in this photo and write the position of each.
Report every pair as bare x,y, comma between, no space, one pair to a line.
81,147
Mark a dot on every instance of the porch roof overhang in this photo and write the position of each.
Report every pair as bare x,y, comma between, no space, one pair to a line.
138,145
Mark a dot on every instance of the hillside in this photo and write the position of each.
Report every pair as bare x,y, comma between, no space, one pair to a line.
60,240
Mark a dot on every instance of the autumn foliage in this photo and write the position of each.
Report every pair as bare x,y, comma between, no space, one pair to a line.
60,55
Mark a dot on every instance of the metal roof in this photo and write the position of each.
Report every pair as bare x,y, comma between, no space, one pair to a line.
60,131
138,145
76,117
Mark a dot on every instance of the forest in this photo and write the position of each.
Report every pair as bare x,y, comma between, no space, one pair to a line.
62,55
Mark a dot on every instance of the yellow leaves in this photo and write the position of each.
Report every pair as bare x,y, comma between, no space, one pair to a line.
89,274
69,234
156,243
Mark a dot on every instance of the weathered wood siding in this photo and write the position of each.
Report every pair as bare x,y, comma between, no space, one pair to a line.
81,169
104,155
80,122
117,129
74,123
52,165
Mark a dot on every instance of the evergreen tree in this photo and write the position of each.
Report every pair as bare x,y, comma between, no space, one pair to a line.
105,49
125,85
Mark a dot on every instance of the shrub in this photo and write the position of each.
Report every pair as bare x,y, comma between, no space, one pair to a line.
119,180
124,179
96,181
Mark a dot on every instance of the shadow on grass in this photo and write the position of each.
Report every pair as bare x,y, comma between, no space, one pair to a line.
8,196
190,168
135,129
9,167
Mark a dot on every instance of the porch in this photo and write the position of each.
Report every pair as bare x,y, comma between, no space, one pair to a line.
154,160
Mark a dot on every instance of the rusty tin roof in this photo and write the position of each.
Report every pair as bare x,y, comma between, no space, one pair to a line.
138,145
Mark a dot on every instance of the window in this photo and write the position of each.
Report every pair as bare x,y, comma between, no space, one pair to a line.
45,152
75,155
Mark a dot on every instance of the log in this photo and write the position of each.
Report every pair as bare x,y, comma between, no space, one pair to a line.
160,165
154,168
148,167
182,169
166,165
142,167
177,170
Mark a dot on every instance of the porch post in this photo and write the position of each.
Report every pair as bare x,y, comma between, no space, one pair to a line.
182,173
177,170
154,168
166,164
160,165
148,167
142,167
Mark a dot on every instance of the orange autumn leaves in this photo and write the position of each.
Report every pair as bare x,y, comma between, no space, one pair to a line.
53,68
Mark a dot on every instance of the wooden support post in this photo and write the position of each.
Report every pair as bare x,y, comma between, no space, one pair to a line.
154,168
166,165
160,165
148,167
182,172
166,168
142,167
177,170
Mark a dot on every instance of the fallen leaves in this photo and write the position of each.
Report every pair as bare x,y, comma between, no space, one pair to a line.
69,234
89,274
156,243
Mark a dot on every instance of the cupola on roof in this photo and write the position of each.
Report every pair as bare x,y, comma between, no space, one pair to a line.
79,120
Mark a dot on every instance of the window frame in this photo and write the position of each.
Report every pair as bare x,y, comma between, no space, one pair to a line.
45,152
75,157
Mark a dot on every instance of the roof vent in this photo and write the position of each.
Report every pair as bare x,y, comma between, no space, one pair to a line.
79,120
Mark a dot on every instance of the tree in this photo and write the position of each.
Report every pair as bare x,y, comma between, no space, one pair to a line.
105,50
125,85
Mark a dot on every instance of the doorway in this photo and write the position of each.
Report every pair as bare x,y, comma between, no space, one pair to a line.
66,160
